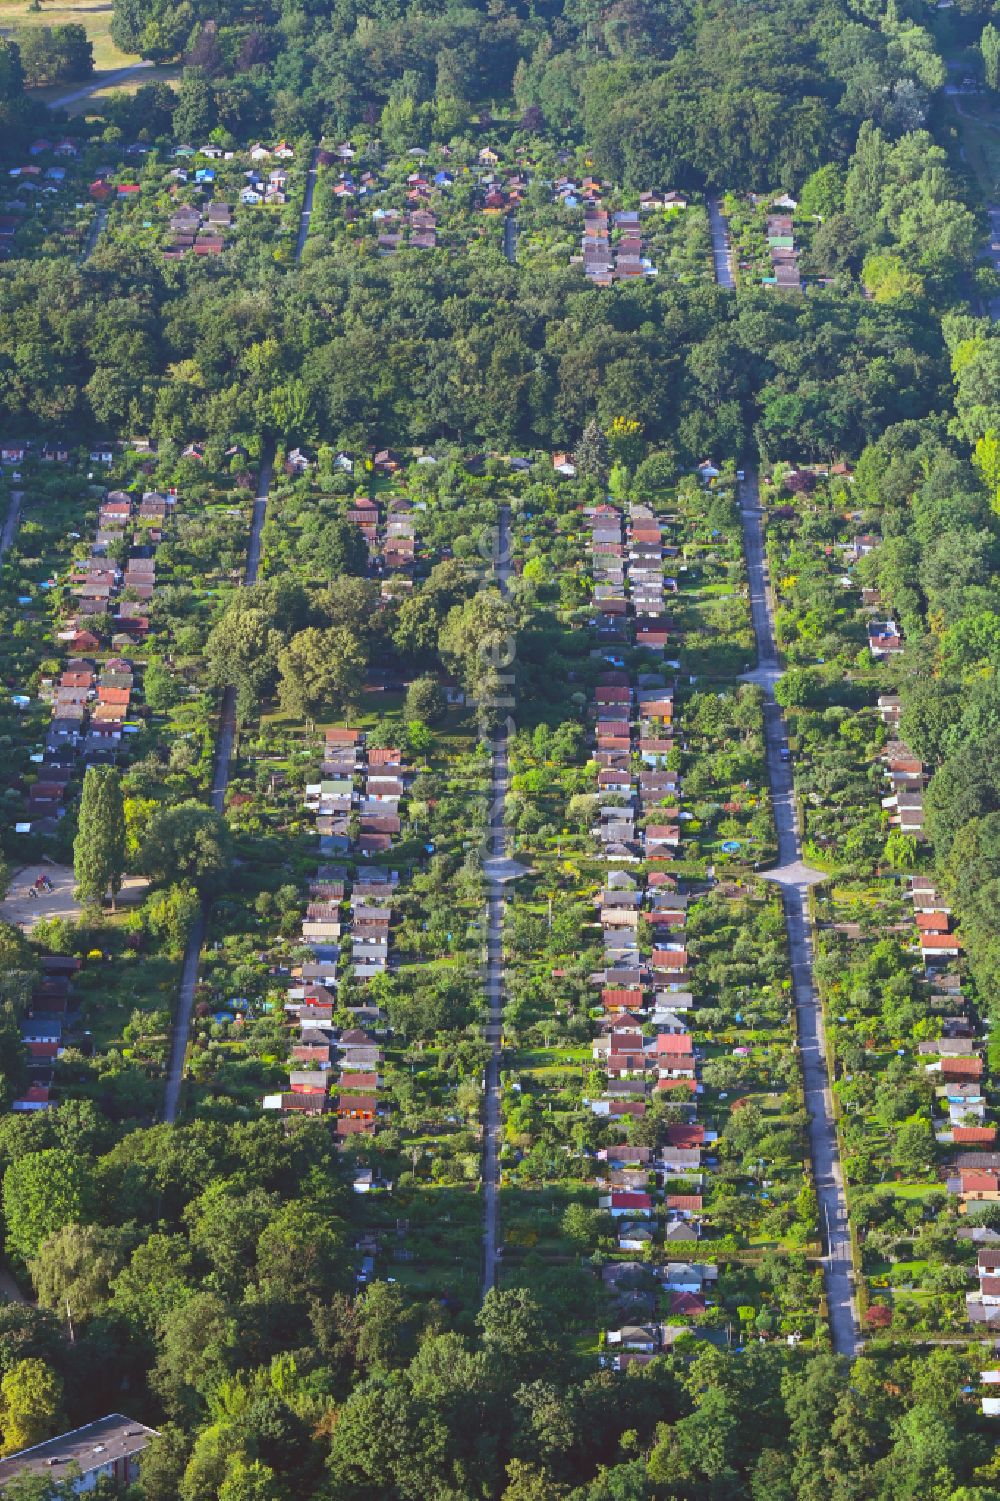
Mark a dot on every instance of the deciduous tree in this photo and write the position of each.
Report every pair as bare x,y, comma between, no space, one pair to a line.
321,671
74,1268
42,1192
989,46
242,649
425,700
186,842
30,1404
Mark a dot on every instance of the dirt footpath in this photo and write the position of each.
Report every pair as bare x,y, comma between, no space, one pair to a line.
24,910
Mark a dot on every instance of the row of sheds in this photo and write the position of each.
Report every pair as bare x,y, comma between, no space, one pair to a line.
347,922
644,1045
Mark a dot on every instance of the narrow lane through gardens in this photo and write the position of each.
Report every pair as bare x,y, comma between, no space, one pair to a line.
225,737
499,868
307,206
794,878
11,522
722,253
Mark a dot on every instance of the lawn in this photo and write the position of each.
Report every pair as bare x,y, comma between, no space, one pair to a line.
96,17
979,129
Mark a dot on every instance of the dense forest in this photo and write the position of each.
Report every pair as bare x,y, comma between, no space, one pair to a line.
472,352
406,350
717,92
723,92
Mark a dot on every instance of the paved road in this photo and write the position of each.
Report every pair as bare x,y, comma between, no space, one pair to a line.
96,230
224,739
10,1291
307,207
11,523
794,878
259,517
510,238
106,81
722,252
500,869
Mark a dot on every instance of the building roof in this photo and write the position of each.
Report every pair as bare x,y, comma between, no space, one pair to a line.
687,1303
89,1447
962,1068
979,1182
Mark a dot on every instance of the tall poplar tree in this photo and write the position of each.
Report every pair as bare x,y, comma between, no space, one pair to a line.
989,46
99,847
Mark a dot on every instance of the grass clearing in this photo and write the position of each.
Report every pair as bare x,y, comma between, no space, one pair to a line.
979,129
95,17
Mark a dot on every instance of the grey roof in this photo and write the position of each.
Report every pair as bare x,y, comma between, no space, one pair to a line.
90,1447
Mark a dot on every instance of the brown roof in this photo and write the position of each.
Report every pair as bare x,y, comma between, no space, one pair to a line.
310,1052
358,1104
622,1000
621,1062
931,922
962,1068
348,1080
979,1182
939,941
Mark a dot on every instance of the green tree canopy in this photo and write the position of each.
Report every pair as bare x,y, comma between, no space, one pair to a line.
186,842
42,1192
30,1405
99,847
321,671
